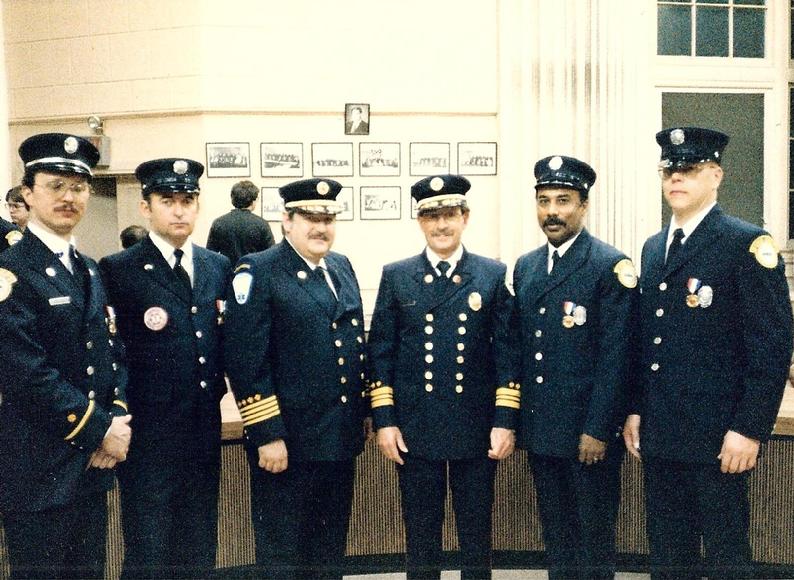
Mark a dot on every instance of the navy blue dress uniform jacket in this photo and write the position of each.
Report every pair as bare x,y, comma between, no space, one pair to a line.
442,356
574,377
238,233
62,383
720,363
176,371
9,234
295,356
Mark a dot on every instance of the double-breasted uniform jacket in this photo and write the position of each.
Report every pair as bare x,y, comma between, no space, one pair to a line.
576,334
716,339
174,343
9,234
295,355
238,233
63,379
442,356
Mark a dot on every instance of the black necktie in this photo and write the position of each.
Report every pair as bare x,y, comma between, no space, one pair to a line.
443,267
79,270
675,245
180,272
555,256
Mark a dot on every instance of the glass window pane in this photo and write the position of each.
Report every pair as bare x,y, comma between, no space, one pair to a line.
674,34
748,32
711,36
752,2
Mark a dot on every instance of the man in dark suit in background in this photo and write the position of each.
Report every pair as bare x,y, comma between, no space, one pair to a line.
444,396
240,231
63,415
577,303
168,294
295,359
716,346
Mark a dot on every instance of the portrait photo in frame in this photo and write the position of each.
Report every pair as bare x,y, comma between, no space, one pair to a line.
228,160
332,159
271,204
380,202
356,119
379,159
477,158
281,159
345,198
429,158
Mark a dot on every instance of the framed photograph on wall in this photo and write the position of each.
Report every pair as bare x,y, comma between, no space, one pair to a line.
429,158
332,159
272,205
380,202
379,159
356,119
345,197
228,160
281,159
477,158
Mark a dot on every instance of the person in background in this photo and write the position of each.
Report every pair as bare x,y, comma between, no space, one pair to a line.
131,235
11,232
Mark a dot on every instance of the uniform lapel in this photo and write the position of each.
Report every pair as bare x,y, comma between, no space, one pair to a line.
345,288
436,292
154,266
298,270
568,263
95,284
43,261
200,274
705,233
537,270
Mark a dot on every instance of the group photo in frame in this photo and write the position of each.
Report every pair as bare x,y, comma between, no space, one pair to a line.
356,119
379,159
228,160
345,199
429,158
271,204
477,158
380,202
281,159
332,159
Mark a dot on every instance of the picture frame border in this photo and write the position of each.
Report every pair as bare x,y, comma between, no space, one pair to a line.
352,159
227,172
495,157
399,159
363,213
262,159
411,156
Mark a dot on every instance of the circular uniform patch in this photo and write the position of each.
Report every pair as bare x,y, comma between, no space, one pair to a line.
626,273
155,318
7,281
765,251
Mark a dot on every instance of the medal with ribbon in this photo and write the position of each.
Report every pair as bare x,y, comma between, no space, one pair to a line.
567,308
692,285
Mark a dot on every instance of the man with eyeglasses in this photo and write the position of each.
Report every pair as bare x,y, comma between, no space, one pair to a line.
169,299
716,343
443,377
63,415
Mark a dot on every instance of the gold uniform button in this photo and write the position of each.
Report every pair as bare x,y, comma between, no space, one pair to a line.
360,339
428,329
460,360
428,346
116,391
71,418
115,367
657,340
110,341
429,317
428,358
461,330
199,334
362,375
462,317
354,322
343,380
428,375
338,343
361,357
89,345
429,388
538,356
663,286
461,347
458,388
89,371
660,312
655,367
343,398
193,309
341,361
458,376
538,333
91,395
334,326
203,384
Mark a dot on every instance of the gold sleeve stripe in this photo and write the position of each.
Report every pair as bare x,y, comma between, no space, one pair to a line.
381,391
382,403
511,404
83,421
247,412
121,404
508,392
245,406
258,419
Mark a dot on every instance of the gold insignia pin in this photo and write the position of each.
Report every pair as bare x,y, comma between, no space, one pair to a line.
148,267
692,300
70,145
436,184
456,279
428,278
180,167
50,272
323,188
567,321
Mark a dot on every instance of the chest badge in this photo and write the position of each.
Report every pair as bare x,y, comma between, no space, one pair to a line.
475,301
155,318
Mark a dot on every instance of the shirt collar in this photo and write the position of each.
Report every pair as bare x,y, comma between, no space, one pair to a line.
55,243
453,260
167,250
563,247
690,226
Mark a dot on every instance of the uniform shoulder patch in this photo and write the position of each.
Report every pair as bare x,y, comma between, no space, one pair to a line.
765,251
626,273
13,237
242,286
7,281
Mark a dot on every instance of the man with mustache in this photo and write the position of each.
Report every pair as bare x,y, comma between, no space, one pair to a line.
294,348
63,415
444,391
576,299
716,346
168,294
